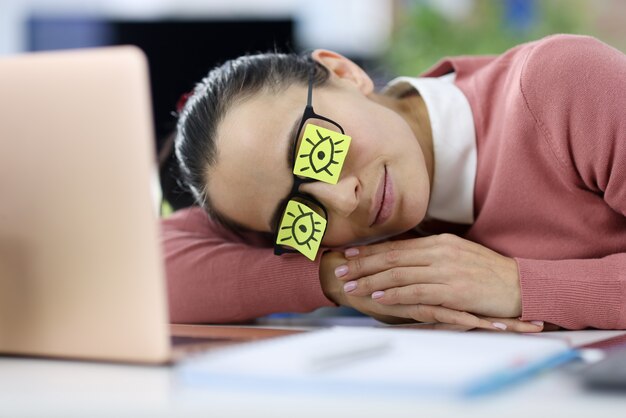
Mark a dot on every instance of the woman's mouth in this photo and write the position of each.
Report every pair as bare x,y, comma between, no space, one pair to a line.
384,201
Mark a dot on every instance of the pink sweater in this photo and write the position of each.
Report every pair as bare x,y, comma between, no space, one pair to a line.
550,191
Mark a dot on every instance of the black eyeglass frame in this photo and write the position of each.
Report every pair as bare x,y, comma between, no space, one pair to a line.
295,194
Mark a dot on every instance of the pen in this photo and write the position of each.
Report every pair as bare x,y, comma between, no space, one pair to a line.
505,378
341,356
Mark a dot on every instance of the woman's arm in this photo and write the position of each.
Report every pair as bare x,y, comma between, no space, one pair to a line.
575,88
575,294
215,276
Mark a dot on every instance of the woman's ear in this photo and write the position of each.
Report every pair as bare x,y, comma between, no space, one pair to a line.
341,67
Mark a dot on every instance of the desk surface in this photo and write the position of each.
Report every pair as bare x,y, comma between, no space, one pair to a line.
39,387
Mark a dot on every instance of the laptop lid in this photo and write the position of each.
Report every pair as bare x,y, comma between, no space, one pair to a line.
81,273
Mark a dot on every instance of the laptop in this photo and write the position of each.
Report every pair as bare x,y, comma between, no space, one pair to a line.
81,271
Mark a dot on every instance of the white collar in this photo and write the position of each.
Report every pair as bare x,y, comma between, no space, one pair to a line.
454,145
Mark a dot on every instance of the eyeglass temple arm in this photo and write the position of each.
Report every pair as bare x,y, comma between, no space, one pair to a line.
309,98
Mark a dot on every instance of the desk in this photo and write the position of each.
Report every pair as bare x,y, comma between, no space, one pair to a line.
56,388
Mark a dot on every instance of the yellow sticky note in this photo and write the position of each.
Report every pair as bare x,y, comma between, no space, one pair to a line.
321,154
302,229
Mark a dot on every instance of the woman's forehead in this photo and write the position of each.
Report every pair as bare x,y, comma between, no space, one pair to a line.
259,125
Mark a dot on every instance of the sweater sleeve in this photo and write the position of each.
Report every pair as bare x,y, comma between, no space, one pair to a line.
216,276
575,88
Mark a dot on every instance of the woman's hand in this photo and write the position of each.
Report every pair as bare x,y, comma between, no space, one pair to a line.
402,313
437,271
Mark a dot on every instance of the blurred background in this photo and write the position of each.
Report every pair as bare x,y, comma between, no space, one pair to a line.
185,38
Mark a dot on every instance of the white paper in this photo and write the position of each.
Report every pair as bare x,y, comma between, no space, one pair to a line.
399,359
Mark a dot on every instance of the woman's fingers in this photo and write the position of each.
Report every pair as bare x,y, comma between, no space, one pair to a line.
441,240
439,314
396,277
433,314
435,326
444,249
516,325
372,249
359,267
427,294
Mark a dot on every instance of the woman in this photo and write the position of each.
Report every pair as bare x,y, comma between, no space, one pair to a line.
522,155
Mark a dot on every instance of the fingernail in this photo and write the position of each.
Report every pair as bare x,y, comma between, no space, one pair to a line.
378,294
499,325
341,271
538,323
349,287
351,252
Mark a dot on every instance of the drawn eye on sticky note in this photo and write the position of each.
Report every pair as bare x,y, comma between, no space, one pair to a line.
302,229
321,154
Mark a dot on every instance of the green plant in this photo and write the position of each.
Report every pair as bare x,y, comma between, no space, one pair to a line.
423,35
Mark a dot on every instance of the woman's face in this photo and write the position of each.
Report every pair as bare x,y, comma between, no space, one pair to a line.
383,189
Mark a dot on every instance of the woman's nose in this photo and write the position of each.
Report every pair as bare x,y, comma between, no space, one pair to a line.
341,198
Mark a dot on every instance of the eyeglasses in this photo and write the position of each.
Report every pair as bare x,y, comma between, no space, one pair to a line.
320,150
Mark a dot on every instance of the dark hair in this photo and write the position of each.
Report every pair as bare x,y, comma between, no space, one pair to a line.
212,97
